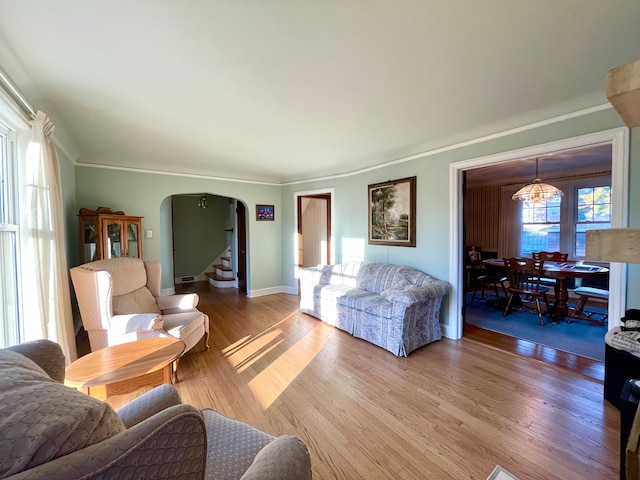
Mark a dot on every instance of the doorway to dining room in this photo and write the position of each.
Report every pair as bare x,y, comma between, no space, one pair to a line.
493,222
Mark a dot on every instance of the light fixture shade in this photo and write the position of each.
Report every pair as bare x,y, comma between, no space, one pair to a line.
613,245
623,92
537,192
202,203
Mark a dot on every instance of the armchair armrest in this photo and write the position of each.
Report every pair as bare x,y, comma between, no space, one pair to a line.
186,301
285,457
47,354
148,404
175,438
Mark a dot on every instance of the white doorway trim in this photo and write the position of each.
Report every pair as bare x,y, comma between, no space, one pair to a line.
332,250
619,140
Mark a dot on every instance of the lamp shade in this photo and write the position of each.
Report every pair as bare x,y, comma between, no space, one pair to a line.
537,192
613,245
623,92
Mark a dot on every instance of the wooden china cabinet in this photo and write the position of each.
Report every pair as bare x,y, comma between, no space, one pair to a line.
108,234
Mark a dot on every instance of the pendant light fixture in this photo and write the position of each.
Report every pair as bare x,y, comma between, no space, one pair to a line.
537,191
202,203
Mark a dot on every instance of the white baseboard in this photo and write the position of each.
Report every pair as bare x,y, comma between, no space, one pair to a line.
271,291
168,291
446,332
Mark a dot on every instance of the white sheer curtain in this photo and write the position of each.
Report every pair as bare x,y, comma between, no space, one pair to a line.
45,281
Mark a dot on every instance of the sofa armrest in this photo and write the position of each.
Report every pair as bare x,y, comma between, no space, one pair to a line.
186,301
148,404
46,354
172,441
417,293
310,275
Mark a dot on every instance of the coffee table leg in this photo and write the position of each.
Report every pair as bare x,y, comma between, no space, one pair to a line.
99,392
171,373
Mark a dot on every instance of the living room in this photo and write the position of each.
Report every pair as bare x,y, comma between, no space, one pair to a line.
546,99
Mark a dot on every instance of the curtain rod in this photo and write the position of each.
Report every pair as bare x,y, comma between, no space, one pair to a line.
17,96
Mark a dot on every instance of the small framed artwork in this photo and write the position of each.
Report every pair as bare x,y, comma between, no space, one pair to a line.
392,213
265,213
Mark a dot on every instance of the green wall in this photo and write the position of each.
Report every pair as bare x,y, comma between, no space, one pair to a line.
198,233
271,244
68,181
433,199
148,195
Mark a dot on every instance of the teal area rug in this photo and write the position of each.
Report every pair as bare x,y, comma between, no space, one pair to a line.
579,337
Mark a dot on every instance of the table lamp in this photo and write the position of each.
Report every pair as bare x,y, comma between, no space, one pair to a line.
613,245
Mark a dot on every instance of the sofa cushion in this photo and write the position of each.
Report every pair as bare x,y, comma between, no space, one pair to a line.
41,419
340,274
355,298
138,301
377,277
391,293
182,324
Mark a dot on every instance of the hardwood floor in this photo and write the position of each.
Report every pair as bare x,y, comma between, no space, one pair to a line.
574,363
451,410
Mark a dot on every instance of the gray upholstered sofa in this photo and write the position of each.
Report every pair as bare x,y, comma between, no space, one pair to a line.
393,306
50,431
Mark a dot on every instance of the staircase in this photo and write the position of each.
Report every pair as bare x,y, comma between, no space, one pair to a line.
222,275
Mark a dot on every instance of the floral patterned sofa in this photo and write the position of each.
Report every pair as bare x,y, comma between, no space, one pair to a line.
393,306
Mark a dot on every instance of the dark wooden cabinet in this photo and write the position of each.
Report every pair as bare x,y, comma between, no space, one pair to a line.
107,234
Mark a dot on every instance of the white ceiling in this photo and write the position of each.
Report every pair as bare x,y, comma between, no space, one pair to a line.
288,90
591,160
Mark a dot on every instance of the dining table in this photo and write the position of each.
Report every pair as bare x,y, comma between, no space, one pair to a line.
561,272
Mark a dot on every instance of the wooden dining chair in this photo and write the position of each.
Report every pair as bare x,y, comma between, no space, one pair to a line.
524,276
549,257
483,277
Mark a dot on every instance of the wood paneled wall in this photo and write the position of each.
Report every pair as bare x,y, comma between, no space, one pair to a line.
482,217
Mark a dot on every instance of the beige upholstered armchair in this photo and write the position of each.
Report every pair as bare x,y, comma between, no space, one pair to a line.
120,301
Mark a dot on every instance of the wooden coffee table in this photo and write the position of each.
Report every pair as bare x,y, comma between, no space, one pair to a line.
124,368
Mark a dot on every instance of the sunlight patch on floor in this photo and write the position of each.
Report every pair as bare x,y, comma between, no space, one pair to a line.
253,348
269,384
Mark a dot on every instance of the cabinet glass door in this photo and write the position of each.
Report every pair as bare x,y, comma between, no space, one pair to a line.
90,241
132,241
114,237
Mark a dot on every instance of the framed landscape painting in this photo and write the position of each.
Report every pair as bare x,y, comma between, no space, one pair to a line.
265,213
392,212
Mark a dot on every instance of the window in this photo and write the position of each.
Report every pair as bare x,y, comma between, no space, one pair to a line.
9,304
540,226
560,225
593,212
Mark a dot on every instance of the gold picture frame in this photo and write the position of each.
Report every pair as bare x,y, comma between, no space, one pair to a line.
392,213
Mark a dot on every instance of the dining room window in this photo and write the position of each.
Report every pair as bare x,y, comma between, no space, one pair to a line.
540,226
593,212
